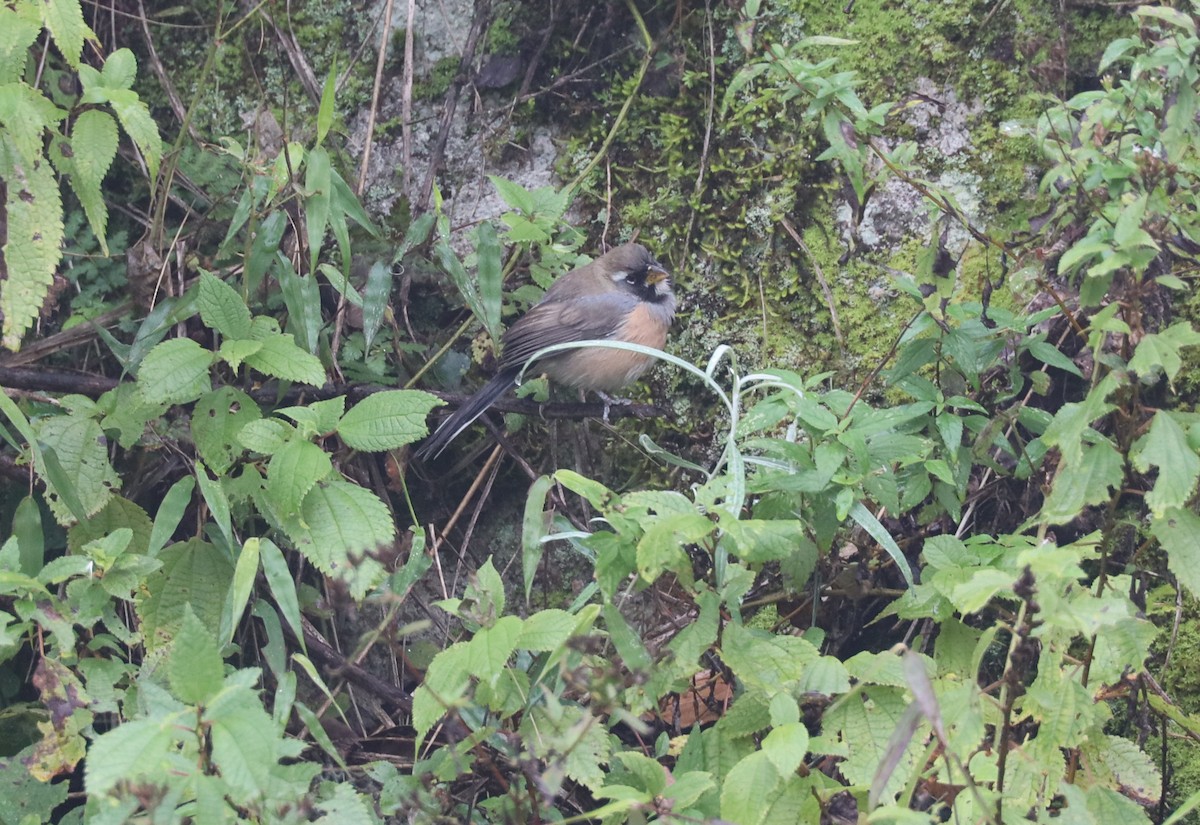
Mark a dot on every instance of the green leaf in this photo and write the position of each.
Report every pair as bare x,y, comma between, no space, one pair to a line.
1100,470
546,630
33,247
266,435
387,420
19,29
86,160
170,513
139,125
490,275
1052,356
1161,351
761,540
533,527
1166,447
489,649
325,110
785,747
629,646
217,420
195,574
376,295
117,513
221,308
244,573
27,529
513,194
341,525
282,586
318,184
64,19
77,445
139,748
1178,531
444,685
26,115
194,668
293,471
661,546
119,70
234,353
175,372
765,661
281,358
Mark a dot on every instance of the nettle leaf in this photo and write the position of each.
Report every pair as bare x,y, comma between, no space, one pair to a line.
762,540
25,115
294,470
175,372
571,739
33,248
19,29
92,148
1166,447
217,420
1178,531
265,436
119,512
661,547
489,649
221,308
79,445
64,19
1100,470
194,574
764,660
138,124
340,525
444,686
140,747
387,420
1161,351
235,353
195,668
281,358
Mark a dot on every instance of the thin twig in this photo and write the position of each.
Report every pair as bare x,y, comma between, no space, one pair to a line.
406,103
373,111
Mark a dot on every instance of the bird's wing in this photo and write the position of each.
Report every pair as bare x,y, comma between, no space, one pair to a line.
583,318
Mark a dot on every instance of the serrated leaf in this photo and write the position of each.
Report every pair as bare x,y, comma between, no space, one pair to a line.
117,513
33,248
1178,531
217,420
765,661
194,573
546,630
138,124
175,372
661,546
1100,470
93,148
194,668
342,525
265,435
281,358
762,540
445,684
119,70
26,115
222,309
294,470
64,19
142,747
78,445
1161,351
19,29
387,420
1166,447
235,353
489,649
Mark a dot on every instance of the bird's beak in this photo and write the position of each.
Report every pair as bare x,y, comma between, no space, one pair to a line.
656,273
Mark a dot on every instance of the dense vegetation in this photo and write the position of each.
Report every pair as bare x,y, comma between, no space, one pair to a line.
949,574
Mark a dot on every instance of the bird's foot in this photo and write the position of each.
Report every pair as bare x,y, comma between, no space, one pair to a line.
609,402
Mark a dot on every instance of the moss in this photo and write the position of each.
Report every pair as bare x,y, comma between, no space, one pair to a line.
437,82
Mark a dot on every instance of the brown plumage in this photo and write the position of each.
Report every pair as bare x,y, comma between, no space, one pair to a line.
624,295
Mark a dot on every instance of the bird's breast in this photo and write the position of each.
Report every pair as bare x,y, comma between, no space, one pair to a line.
608,370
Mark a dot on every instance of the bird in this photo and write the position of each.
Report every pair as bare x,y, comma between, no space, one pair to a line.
624,295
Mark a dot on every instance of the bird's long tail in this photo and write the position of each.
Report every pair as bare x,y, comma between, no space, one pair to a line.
461,418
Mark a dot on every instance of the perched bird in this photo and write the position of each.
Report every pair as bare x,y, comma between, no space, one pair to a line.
624,295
